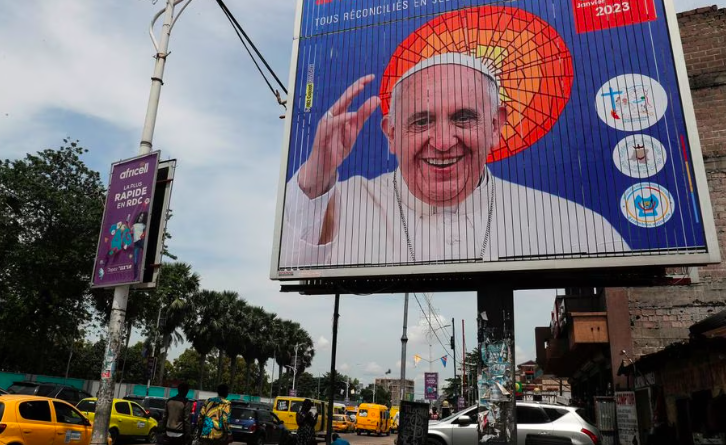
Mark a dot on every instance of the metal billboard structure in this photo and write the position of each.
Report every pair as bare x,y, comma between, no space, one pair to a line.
468,136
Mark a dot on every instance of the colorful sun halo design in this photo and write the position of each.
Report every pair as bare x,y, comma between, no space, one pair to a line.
531,61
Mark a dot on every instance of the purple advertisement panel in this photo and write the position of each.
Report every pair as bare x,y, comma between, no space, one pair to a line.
122,242
431,385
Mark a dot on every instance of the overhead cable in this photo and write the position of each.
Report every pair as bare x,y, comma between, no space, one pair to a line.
247,43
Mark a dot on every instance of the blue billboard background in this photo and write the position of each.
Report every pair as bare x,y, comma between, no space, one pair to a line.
574,160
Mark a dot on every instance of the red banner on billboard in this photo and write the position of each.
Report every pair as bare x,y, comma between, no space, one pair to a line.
595,15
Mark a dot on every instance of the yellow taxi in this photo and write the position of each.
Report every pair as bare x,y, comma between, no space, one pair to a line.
342,424
128,420
33,420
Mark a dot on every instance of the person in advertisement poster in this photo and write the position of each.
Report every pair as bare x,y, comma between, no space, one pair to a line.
442,202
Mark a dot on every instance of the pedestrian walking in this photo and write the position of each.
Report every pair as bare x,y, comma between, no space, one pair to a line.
213,422
434,414
175,425
306,422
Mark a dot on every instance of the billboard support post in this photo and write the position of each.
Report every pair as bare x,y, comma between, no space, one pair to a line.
495,373
121,293
331,390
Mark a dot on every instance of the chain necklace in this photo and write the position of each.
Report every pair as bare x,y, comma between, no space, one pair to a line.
490,210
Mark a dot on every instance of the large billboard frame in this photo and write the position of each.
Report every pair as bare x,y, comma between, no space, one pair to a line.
645,260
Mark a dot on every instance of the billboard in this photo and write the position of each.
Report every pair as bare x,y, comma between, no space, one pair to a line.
435,136
122,242
431,385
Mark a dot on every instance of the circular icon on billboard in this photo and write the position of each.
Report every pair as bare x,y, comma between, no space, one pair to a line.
527,57
639,156
631,102
647,205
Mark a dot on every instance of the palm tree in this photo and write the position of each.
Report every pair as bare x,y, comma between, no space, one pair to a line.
236,336
256,317
205,325
295,341
172,300
227,301
266,346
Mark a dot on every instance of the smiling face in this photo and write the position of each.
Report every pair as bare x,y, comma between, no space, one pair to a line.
441,127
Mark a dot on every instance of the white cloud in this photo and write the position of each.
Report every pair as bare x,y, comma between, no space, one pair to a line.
344,367
373,369
322,343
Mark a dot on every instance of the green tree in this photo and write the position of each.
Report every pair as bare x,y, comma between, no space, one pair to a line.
51,204
294,340
236,333
131,364
205,325
383,396
172,299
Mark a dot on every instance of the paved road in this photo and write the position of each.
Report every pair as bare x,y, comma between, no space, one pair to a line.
353,438
363,439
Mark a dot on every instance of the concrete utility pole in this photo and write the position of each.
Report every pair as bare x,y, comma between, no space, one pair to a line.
121,293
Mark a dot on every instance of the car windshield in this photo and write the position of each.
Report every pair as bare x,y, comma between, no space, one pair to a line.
339,418
27,390
2,410
242,413
88,406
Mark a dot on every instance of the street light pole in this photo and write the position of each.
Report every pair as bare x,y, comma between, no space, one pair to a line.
404,340
294,369
99,434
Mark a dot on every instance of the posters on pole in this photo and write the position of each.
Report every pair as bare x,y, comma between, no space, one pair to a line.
479,135
413,424
431,385
122,241
627,417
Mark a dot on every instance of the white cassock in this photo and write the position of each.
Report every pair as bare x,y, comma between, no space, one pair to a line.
379,222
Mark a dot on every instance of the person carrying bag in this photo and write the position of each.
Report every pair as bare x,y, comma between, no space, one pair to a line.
213,422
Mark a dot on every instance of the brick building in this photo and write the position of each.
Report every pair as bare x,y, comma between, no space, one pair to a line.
596,335
394,387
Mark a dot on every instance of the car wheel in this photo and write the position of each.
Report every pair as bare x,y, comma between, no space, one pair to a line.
113,434
151,438
358,432
388,433
260,440
434,441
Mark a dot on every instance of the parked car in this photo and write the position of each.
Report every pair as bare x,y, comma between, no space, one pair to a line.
34,420
128,420
55,391
154,405
255,426
554,423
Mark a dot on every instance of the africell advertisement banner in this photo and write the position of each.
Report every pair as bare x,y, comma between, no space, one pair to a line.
431,385
122,243
472,135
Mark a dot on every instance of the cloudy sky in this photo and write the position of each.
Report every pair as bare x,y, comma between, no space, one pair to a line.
81,68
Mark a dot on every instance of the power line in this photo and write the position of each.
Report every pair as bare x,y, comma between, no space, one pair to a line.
430,326
245,39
